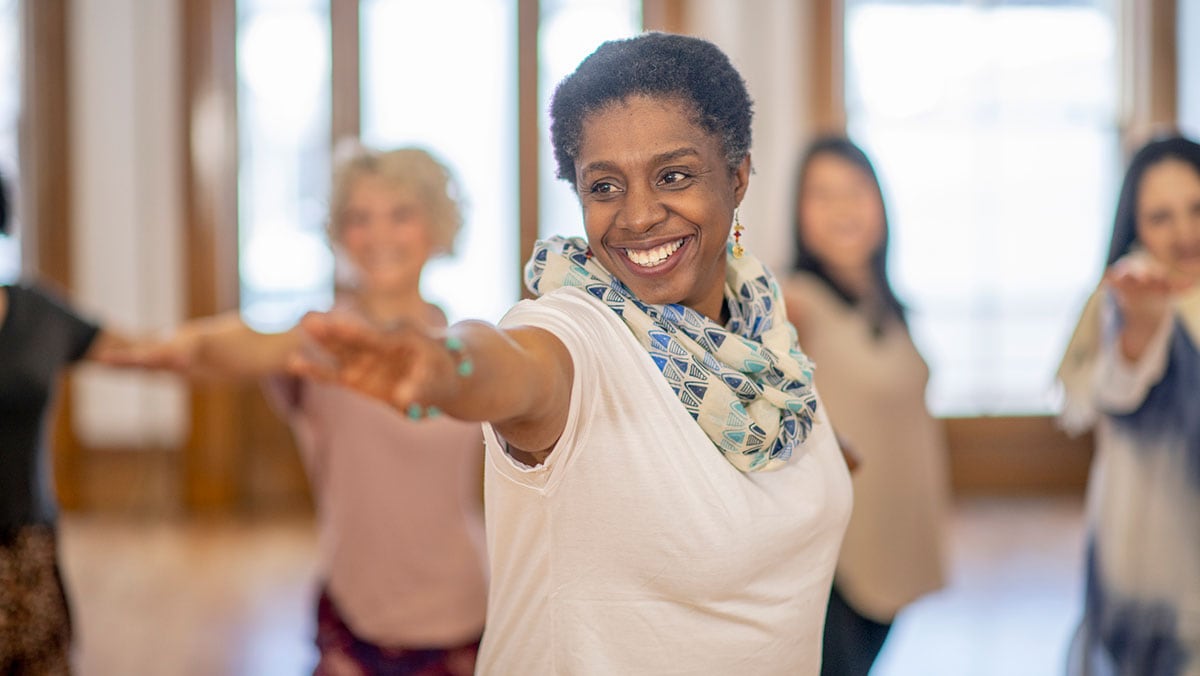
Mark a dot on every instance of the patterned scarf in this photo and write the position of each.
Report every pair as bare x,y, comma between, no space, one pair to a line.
747,385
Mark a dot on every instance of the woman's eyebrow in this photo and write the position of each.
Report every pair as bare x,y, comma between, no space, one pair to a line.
678,153
661,158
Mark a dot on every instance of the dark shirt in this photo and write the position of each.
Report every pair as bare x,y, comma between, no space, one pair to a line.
38,337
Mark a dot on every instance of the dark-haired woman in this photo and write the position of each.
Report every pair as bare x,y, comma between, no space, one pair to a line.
664,493
1132,371
872,380
40,335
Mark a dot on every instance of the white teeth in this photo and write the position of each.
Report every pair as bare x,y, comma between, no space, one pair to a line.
655,256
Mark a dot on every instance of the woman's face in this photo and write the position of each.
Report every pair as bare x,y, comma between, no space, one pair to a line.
1168,216
658,200
841,213
386,234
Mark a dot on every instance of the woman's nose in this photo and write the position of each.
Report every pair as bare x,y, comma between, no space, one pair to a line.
642,209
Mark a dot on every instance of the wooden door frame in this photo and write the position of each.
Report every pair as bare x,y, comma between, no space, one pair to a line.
46,188
212,453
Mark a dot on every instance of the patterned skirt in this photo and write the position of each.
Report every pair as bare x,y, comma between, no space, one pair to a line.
35,622
344,654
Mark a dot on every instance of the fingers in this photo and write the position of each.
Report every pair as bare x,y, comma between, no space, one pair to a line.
1138,280
390,367
308,366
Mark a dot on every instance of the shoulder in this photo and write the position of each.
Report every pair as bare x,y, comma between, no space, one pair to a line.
39,299
564,309
805,295
593,335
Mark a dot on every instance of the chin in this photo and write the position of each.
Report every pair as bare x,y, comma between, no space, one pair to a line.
1191,270
657,295
392,283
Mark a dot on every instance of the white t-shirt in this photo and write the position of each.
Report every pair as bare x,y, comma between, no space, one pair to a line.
637,548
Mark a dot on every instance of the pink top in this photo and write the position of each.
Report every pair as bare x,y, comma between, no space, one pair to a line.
399,514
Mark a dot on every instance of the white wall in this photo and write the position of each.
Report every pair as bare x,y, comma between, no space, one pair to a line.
126,206
763,39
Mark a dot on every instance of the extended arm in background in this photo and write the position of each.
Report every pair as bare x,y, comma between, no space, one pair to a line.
519,379
213,347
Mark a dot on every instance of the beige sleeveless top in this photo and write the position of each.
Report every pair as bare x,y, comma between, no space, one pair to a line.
874,391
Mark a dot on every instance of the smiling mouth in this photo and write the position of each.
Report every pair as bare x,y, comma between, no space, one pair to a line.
650,258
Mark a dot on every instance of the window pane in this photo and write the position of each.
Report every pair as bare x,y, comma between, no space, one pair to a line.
1000,166
283,176
442,75
10,108
1189,68
570,30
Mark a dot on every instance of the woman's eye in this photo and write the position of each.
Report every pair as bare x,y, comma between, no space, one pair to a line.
673,177
1157,218
603,188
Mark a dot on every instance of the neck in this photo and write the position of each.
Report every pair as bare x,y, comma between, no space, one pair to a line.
858,280
387,307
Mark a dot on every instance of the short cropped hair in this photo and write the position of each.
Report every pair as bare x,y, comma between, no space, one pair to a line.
411,170
659,65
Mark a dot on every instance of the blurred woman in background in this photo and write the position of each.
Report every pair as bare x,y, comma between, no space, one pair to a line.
873,381
40,336
1132,370
399,507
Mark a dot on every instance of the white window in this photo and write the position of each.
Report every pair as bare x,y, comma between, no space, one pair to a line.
286,266
439,75
443,76
996,139
570,30
1189,68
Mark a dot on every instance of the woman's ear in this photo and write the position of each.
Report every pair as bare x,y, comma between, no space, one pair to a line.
741,179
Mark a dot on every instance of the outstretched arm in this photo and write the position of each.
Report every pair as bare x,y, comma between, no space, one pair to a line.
518,379
1143,293
212,347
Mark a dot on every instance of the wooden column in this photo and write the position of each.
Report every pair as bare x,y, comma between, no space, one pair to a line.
1149,72
528,133
346,115
212,453
45,188
667,16
825,31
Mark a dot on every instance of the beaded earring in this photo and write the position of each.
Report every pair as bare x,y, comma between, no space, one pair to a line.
738,251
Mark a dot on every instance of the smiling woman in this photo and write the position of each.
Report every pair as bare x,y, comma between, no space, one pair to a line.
1132,369
659,216
663,489
394,599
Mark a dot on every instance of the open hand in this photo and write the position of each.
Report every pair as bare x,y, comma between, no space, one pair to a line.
1143,290
406,367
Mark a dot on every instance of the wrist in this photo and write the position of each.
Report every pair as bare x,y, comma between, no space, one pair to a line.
461,368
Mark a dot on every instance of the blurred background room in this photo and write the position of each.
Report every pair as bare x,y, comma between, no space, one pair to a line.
172,159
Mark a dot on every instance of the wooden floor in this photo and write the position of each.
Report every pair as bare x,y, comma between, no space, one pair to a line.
214,598
1014,597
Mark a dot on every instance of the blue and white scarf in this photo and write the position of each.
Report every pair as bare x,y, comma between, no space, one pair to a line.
747,385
